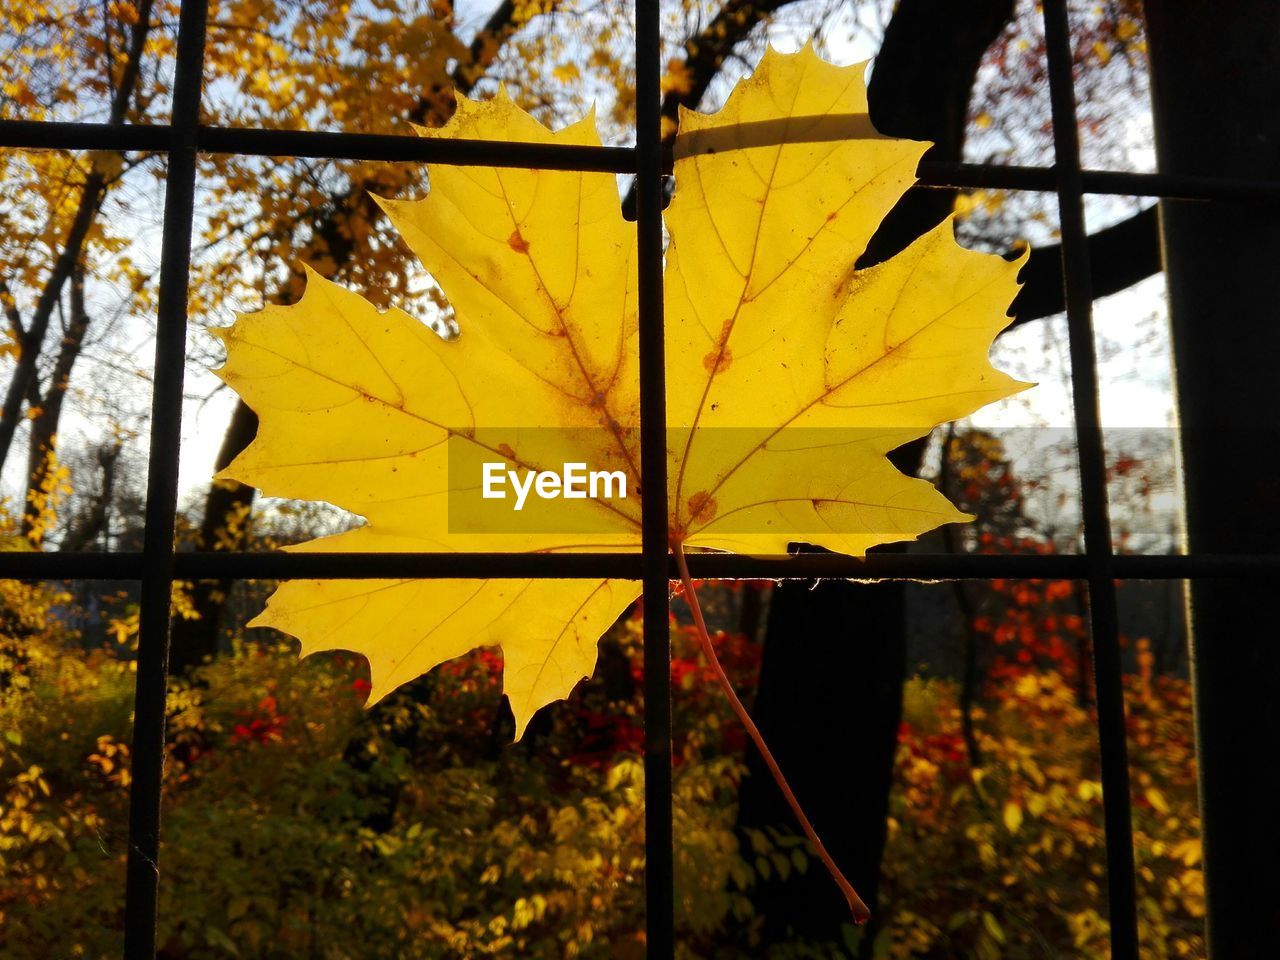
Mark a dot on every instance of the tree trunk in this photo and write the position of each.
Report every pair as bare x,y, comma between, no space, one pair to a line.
829,704
1215,82
835,652
42,448
225,527
91,526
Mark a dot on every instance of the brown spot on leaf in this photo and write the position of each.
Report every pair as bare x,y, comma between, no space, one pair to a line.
720,356
702,506
506,451
718,360
518,243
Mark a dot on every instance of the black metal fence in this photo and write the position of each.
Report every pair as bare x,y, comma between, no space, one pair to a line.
157,565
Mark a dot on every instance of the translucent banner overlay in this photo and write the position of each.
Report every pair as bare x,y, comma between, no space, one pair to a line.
805,480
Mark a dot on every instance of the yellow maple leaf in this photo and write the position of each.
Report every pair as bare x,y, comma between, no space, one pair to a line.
790,375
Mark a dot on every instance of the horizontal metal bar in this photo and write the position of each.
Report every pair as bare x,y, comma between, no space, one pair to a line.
132,138
56,135
1123,183
365,566
32,134
1173,186
412,149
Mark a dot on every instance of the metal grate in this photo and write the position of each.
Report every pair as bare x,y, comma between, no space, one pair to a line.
156,565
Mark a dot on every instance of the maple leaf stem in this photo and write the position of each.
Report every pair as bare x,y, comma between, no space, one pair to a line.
860,911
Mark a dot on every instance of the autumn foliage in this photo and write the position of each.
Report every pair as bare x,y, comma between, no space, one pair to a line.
296,818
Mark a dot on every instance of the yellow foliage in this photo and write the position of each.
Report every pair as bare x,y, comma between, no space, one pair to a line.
567,72
43,501
1008,860
677,78
1012,816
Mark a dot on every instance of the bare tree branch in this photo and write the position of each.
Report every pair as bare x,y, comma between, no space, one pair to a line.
1120,255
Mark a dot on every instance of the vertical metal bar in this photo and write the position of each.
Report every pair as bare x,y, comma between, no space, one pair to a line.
659,859
1103,624
142,869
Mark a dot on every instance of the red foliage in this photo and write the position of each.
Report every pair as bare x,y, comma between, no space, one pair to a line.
946,750
603,737
264,725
